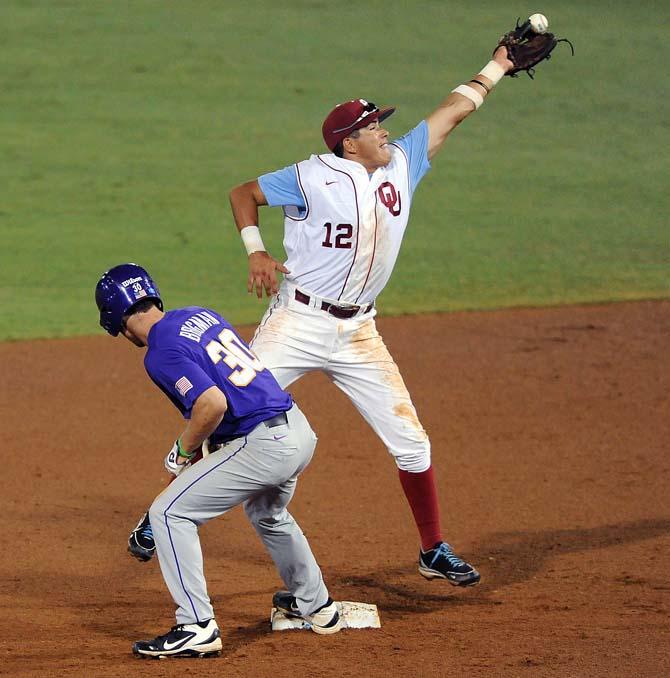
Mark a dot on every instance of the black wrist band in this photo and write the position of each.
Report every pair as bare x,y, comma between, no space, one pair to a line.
479,82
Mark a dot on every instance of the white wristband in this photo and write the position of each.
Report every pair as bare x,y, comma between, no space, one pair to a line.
251,237
493,71
470,93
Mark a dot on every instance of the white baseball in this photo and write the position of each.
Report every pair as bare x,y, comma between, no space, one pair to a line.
539,23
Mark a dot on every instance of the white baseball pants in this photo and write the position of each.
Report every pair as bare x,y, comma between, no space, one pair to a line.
293,339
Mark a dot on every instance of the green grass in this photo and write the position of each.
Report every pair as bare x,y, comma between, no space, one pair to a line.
124,125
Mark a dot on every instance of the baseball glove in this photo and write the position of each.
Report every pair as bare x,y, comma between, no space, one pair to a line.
526,49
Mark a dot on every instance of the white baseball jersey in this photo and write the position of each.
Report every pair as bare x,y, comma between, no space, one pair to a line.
346,242
343,230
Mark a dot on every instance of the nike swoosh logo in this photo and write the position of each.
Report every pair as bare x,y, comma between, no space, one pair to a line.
279,437
171,646
328,183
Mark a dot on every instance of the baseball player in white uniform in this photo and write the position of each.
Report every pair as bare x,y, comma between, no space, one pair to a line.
345,217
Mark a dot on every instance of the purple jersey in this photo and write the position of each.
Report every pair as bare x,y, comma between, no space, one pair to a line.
192,349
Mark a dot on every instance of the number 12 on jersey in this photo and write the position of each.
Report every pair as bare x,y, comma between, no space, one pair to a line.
342,239
236,355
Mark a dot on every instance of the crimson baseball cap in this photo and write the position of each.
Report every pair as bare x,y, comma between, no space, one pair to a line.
347,117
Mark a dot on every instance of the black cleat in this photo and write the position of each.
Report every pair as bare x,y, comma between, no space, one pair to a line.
441,562
141,544
324,621
202,639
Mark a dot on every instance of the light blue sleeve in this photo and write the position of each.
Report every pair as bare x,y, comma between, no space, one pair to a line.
282,188
415,145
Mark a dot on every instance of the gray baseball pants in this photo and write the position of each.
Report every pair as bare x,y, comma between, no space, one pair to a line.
259,471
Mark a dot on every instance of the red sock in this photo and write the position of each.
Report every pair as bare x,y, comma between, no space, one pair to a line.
421,494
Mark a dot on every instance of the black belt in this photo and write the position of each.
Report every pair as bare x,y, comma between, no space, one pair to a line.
278,420
342,312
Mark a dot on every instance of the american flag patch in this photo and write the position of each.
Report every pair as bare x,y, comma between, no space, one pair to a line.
183,385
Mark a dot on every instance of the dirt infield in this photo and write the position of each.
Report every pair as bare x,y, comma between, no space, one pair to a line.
550,433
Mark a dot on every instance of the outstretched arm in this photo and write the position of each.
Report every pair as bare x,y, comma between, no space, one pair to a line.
456,107
245,200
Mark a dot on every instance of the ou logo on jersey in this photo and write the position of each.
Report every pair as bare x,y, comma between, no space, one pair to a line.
390,198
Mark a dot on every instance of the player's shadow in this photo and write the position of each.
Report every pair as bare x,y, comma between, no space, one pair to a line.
235,640
508,557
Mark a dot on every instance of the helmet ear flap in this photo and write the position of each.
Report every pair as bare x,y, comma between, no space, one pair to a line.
106,320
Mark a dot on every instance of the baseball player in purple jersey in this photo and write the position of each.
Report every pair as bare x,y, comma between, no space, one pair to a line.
345,215
259,443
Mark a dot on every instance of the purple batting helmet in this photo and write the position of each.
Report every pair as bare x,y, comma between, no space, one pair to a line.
118,290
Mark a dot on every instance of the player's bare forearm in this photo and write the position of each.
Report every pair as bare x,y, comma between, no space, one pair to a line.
244,201
456,107
441,122
206,415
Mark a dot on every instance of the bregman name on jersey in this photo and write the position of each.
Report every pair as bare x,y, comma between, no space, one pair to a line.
197,325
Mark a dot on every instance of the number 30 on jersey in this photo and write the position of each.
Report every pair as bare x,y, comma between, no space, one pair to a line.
244,364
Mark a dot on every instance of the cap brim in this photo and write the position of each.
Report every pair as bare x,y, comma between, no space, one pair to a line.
334,138
385,113
381,115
